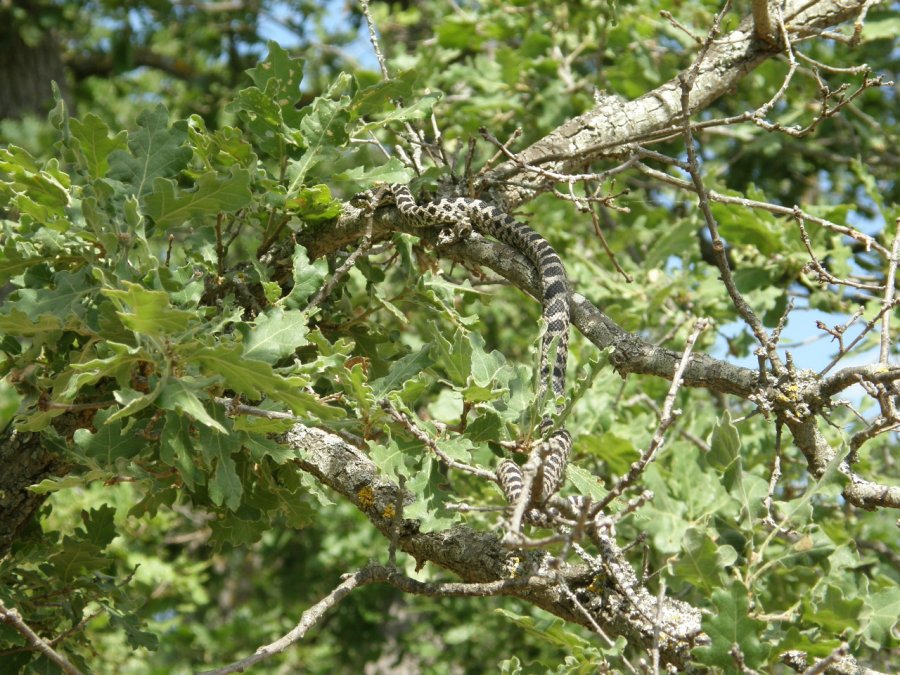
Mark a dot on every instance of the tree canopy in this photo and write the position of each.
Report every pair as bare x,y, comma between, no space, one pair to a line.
251,417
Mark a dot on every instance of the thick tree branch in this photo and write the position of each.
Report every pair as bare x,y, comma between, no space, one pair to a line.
614,123
616,603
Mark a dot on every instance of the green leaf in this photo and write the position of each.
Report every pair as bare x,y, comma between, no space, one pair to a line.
76,556
725,445
883,28
256,378
277,333
99,526
225,485
487,427
401,370
428,508
832,610
808,641
556,633
357,386
51,485
157,150
324,129
457,32
389,459
263,118
308,277
616,451
63,298
18,322
10,400
148,312
729,625
756,228
279,76
374,98
41,192
179,396
130,624
261,447
420,109
702,563
455,355
392,171
95,144
880,617
246,376
213,194
118,367
314,204
109,443
237,532
585,483
488,369
176,449
458,448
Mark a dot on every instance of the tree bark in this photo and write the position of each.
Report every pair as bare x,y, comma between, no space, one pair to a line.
26,73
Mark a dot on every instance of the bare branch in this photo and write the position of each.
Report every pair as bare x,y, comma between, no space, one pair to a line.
12,617
718,246
373,38
411,427
613,123
667,418
309,619
889,291
480,557
364,245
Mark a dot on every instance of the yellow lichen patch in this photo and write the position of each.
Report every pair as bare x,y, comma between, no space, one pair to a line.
597,584
365,496
512,565
389,512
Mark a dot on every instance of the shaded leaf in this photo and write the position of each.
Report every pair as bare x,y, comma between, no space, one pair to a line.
213,194
156,150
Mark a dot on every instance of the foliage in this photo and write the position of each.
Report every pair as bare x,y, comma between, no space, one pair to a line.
161,273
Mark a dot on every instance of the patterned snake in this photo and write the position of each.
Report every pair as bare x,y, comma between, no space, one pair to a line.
461,215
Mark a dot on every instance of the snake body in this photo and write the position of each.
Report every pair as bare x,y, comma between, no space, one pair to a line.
461,215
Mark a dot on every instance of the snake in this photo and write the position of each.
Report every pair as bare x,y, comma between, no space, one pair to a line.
458,216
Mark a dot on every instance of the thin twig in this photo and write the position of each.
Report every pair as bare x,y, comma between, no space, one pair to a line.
667,418
309,619
824,274
364,245
718,246
869,242
821,665
411,427
865,331
889,296
680,26
398,521
373,38
12,617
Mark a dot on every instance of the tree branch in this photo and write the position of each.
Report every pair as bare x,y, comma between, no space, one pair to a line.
614,123
14,619
479,557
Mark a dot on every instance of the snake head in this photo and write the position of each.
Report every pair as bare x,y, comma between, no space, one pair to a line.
454,233
373,198
362,200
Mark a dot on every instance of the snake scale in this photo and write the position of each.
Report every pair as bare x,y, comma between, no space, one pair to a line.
461,215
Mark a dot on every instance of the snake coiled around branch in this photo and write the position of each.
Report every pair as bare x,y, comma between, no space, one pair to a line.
460,215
